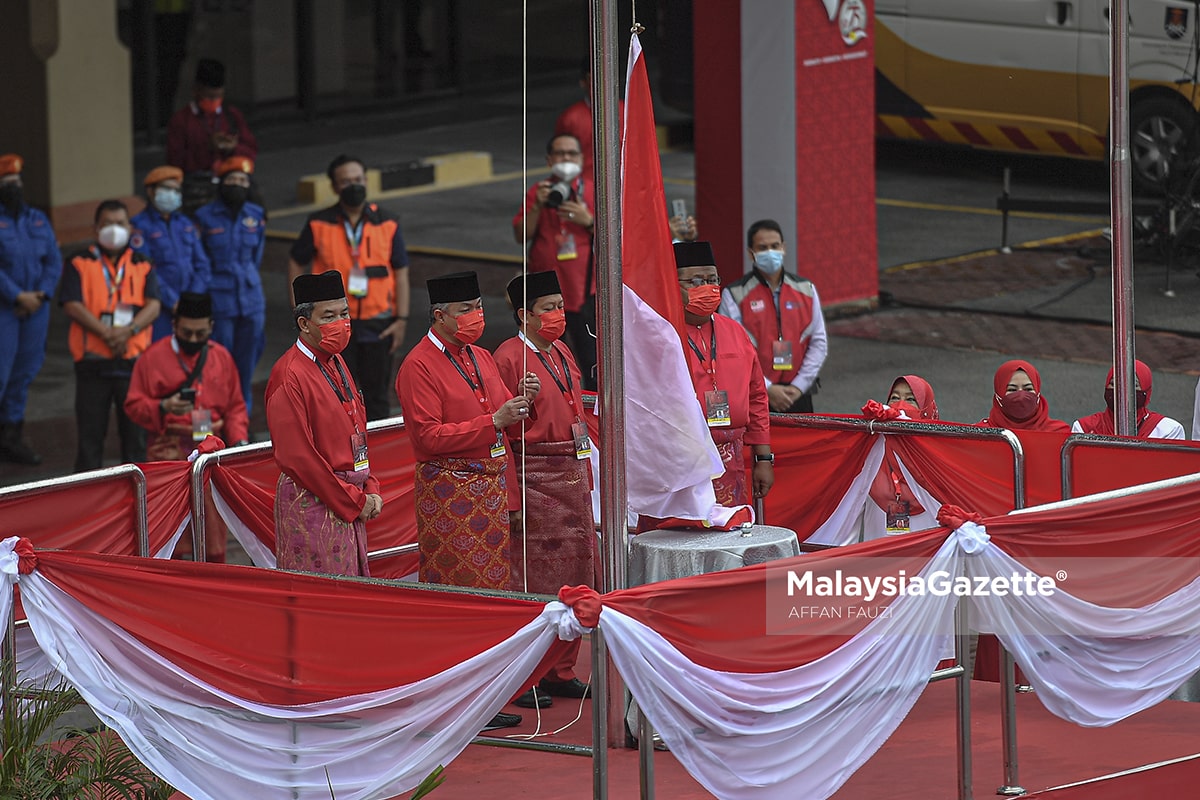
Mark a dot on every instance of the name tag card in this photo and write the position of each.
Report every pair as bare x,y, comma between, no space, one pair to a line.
498,448
201,424
358,446
583,442
781,355
716,408
357,285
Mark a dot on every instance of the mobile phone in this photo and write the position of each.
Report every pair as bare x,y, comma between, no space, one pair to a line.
188,395
679,208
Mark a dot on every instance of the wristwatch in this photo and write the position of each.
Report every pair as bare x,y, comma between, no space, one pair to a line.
769,458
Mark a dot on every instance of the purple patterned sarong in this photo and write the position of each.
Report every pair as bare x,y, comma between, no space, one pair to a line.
311,538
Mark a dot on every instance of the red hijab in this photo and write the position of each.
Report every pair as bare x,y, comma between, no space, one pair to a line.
889,481
1104,422
1040,421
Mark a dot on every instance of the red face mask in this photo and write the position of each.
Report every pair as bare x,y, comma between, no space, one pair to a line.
703,300
470,326
1020,406
554,323
209,105
334,336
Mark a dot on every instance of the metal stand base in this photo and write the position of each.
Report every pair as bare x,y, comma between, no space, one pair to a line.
1010,791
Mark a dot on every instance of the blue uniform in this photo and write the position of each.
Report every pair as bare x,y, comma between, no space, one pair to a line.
29,262
234,242
173,246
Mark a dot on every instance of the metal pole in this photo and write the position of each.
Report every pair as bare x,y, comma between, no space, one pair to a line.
645,757
607,255
599,717
962,698
8,676
1122,228
1008,672
1004,248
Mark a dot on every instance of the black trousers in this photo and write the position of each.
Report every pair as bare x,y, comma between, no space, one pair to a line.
99,386
583,345
805,405
370,363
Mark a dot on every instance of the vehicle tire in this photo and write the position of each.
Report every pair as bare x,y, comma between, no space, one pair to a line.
1162,136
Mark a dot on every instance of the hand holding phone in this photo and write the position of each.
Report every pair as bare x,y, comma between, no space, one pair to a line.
188,395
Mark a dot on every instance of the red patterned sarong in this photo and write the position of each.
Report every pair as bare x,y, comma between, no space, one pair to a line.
462,522
562,549
311,538
731,487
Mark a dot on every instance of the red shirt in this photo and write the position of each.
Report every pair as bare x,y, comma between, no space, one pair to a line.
554,417
737,373
576,275
442,413
162,369
312,429
189,137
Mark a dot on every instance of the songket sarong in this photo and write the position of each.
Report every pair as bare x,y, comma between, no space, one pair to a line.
561,548
731,487
462,522
311,538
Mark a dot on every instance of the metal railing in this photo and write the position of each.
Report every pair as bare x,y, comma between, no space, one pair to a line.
1008,695
1078,440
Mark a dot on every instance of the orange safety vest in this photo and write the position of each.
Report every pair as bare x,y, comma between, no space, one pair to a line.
102,289
333,251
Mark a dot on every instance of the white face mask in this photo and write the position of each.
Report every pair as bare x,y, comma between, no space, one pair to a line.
113,237
566,170
769,261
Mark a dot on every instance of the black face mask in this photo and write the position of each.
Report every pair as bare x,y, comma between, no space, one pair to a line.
189,347
232,195
1110,399
11,197
353,195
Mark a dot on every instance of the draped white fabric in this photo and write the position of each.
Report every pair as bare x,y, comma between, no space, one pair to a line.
1090,664
213,746
167,549
259,553
797,733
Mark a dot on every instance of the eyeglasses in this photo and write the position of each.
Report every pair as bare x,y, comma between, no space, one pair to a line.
699,280
566,153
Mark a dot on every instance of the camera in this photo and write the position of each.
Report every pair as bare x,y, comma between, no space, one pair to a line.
558,193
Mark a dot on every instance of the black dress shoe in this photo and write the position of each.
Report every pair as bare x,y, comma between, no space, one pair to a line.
532,699
502,720
572,688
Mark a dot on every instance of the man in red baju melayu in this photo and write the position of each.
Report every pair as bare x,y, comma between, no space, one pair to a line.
551,452
326,492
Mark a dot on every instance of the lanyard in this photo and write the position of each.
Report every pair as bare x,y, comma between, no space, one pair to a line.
712,354
114,286
777,297
568,391
480,394
348,400
354,235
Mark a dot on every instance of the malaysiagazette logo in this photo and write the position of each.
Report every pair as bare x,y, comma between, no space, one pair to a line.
868,588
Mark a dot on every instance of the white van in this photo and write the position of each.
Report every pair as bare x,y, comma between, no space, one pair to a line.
1032,76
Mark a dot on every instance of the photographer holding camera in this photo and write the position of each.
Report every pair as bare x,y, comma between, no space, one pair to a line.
557,220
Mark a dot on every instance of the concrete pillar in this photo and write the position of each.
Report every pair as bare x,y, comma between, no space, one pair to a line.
66,91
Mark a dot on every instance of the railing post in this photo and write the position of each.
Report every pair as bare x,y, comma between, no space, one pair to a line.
962,694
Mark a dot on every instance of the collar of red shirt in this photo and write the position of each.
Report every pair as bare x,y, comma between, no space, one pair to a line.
442,344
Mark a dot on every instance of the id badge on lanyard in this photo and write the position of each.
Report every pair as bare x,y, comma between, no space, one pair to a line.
583,442
781,355
358,446
498,448
897,516
716,408
202,424
565,244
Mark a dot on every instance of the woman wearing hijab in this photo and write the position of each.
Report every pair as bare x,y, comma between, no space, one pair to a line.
1150,425
1017,401
895,507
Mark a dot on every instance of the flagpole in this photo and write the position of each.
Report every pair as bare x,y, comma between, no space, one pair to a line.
606,250
1122,226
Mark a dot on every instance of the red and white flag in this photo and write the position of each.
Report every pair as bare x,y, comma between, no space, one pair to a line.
671,458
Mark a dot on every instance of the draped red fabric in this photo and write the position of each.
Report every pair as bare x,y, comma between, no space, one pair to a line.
813,472
979,474
280,637
287,638
248,486
100,517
